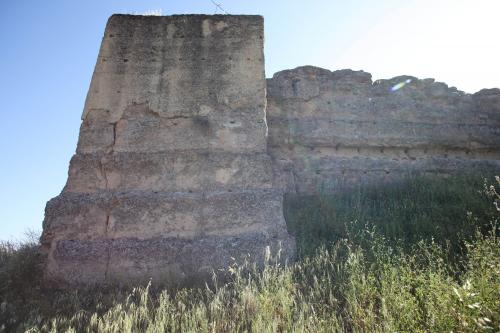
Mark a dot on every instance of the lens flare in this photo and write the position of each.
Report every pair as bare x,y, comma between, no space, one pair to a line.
400,85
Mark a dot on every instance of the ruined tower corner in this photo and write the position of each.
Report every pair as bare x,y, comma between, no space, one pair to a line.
171,179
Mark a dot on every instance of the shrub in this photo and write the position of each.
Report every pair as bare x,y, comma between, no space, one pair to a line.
20,276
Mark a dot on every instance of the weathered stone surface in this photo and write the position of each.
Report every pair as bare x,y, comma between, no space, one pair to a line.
171,178
141,225
180,261
180,171
177,173
331,129
140,129
326,169
193,75
146,214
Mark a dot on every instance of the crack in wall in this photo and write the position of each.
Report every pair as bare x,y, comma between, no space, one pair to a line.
108,237
295,182
111,147
104,175
108,246
102,170
177,117
114,137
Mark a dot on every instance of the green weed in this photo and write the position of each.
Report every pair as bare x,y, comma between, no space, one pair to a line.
371,277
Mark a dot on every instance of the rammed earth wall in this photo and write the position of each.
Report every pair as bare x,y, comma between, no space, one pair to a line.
171,178
179,171
329,130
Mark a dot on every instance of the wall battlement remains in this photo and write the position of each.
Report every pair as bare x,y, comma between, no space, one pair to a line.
183,160
334,129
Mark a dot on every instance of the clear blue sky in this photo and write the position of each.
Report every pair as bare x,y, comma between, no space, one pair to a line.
49,48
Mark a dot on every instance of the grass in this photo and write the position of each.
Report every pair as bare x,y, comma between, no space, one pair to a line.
419,208
397,269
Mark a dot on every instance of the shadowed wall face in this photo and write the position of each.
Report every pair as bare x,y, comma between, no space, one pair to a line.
329,130
171,178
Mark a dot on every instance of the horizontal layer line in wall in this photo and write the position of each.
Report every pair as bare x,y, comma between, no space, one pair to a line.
386,152
316,119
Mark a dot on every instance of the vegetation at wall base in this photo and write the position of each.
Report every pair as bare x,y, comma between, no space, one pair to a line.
373,275
405,212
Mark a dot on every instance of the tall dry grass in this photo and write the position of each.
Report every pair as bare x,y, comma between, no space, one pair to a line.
363,281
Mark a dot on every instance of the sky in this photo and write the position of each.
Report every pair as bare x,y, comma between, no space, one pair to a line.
49,48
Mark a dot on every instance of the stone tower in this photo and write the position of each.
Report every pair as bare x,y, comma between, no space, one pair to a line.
171,178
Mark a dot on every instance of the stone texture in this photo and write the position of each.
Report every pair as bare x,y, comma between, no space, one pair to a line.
333,129
171,237
171,179
183,161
